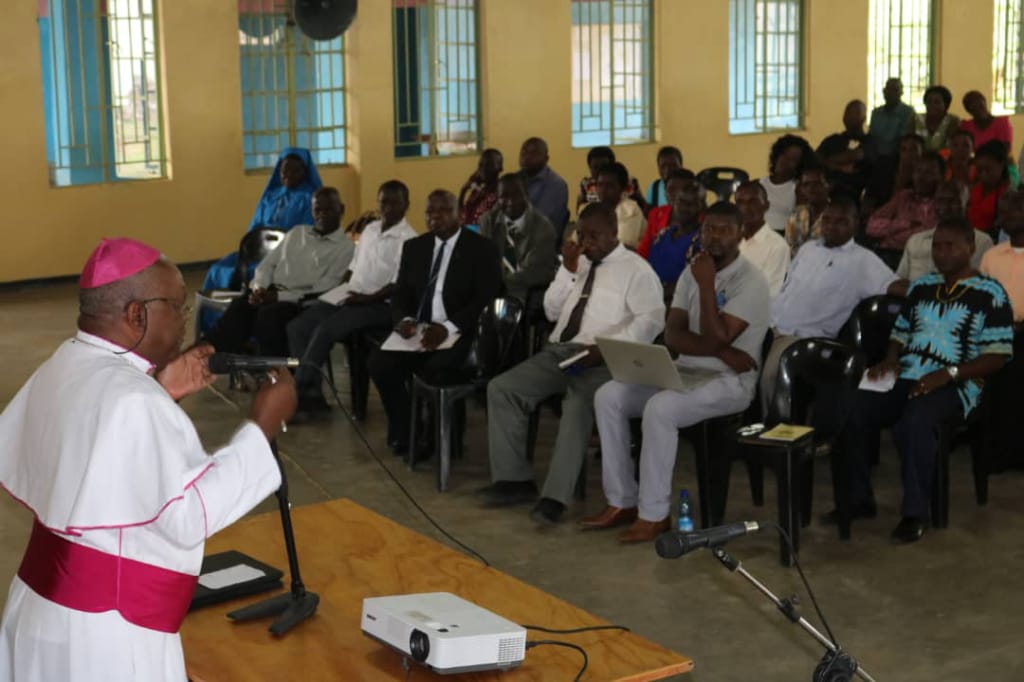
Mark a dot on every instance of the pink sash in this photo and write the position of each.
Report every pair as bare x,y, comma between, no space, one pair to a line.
85,579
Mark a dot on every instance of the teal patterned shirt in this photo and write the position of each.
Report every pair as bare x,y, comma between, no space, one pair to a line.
939,329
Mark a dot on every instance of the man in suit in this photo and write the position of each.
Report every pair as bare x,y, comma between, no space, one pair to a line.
445,280
523,235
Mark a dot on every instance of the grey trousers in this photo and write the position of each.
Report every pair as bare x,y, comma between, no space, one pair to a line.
770,370
664,413
512,396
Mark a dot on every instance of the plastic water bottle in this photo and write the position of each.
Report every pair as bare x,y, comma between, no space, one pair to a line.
685,522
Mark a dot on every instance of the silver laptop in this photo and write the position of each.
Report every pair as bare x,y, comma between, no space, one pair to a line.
640,363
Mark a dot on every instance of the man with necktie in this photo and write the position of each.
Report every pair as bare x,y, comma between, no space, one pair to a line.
445,280
611,292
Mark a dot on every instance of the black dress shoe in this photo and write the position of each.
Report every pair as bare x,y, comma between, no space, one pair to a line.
908,530
508,493
547,512
864,510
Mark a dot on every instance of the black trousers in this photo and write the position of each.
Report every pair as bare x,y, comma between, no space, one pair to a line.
242,321
391,371
915,428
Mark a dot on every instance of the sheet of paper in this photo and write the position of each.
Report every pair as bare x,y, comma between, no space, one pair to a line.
412,344
226,577
337,295
882,384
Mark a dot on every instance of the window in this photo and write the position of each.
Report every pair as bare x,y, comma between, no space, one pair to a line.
1008,58
101,91
765,65
611,72
293,87
437,99
900,46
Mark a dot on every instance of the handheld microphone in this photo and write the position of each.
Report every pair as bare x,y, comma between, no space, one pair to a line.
673,544
224,363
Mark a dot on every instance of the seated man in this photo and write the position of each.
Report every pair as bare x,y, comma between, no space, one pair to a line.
717,323
370,282
917,255
668,252
669,159
956,329
660,218
523,235
849,156
612,292
612,188
310,260
761,245
827,279
446,278
911,210
548,192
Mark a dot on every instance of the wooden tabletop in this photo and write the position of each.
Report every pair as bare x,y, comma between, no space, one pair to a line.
347,553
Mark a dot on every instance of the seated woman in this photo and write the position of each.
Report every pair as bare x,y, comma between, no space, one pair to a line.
479,194
285,203
936,126
812,194
660,217
598,158
669,159
983,126
670,250
786,162
993,179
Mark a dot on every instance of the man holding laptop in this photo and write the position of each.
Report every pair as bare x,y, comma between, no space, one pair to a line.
717,323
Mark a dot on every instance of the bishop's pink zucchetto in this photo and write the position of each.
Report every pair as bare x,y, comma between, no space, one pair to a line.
116,259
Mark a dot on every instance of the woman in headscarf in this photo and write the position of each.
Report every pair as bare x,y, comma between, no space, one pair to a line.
285,203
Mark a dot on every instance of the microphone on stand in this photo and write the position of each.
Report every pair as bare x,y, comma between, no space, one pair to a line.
674,544
225,363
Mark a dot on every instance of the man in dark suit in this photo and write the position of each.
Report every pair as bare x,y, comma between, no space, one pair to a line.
524,236
445,280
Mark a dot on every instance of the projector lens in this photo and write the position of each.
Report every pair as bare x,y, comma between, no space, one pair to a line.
419,646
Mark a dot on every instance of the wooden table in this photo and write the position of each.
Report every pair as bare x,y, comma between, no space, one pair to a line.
347,553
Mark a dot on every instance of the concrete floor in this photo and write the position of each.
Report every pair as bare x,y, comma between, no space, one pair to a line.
947,607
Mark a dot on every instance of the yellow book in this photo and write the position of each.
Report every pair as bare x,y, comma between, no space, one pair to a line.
786,432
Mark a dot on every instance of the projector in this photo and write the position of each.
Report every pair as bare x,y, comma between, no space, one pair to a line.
444,633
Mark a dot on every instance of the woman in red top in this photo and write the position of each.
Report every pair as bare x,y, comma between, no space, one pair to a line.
479,194
993,178
660,217
983,126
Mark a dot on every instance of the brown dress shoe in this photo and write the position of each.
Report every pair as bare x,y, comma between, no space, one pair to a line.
609,518
644,531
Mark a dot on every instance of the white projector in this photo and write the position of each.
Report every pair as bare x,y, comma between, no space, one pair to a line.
444,633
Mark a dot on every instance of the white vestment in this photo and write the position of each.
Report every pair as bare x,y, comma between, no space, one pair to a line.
102,455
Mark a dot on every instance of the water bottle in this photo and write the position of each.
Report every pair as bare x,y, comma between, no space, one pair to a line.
685,522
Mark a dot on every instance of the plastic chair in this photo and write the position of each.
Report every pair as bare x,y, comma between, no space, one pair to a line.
722,180
870,325
254,247
497,331
208,308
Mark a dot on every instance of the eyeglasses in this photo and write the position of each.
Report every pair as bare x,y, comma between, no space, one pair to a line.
182,308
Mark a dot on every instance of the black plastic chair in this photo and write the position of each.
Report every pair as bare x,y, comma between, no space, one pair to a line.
808,370
722,180
497,331
870,325
253,248
357,352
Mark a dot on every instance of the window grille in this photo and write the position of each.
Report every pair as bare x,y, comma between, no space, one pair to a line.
1008,58
900,46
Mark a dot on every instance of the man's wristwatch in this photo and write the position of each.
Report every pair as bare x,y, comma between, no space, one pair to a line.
954,372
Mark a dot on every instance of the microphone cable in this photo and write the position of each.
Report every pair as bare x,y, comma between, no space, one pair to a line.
807,585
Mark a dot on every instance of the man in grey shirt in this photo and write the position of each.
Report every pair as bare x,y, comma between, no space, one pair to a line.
717,323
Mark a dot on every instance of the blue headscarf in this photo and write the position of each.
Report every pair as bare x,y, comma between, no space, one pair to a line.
283,208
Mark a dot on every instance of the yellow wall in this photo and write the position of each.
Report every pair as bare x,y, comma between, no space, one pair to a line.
200,212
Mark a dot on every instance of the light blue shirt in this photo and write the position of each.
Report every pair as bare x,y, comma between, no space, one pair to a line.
824,286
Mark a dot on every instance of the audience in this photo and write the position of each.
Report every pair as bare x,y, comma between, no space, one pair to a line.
826,281
785,162
760,244
610,292
669,159
983,126
670,250
659,217
849,156
911,210
955,330
612,186
891,121
992,181
960,159
524,237
1005,262
479,193
286,202
812,192
309,260
893,174
446,278
936,126
548,192
917,255
369,283
597,158
717,350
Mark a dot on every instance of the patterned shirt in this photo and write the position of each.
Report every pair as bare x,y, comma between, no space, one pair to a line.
938,329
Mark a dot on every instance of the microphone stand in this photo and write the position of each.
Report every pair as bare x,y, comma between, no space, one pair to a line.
291,607
836,665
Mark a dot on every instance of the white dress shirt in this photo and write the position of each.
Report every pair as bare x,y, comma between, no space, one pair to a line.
631,222
305,262
626,301
376,262
438,313
768,250
825,285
